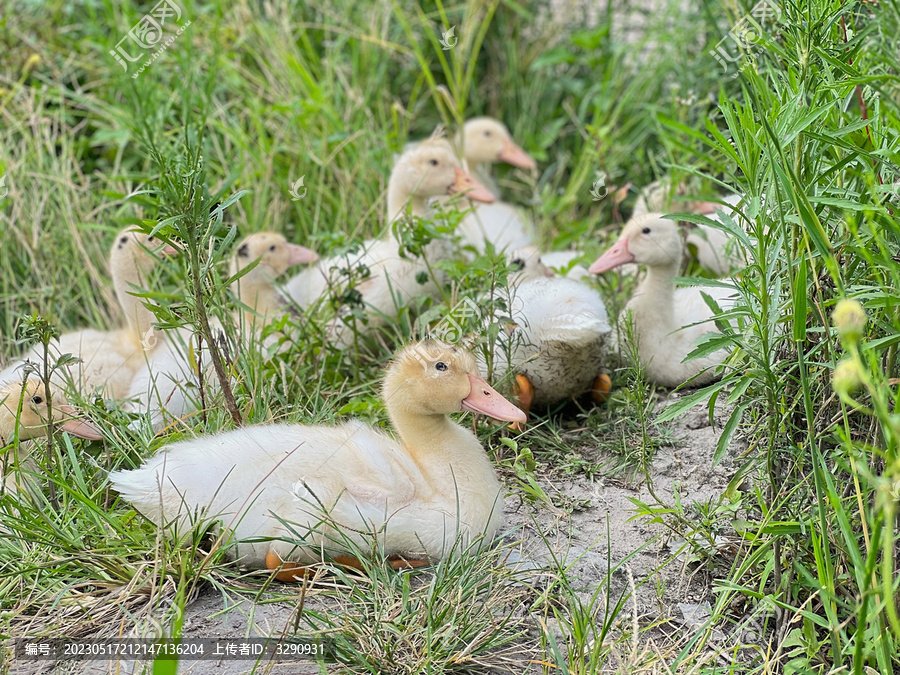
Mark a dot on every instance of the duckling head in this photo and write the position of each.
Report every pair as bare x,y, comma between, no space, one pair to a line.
487,141
134,249
431,169
275,255
435,378
34,416
648,239
525,263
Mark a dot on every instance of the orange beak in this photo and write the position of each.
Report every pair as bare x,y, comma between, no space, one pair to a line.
300,255
472,188
486,400
618,254
704,208
169,249
513,154
78,426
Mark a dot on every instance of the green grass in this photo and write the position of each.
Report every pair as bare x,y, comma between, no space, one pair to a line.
266,93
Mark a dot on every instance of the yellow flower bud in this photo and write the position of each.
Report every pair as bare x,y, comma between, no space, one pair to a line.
33,62
850,319
846,378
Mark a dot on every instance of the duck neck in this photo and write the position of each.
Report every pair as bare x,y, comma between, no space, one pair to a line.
259,295
425,436
126,278
7,425
657,292
399,197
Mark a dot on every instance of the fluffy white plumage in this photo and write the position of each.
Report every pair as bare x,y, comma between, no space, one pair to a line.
427,169
560,331
293,485
501,224
668,322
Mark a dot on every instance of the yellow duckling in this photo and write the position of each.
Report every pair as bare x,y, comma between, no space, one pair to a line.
110,359
276,255
32,422
296,486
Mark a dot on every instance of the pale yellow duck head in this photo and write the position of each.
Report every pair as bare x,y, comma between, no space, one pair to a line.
135,250
132,259
487,141
435,378
431,169
275,254
648,240
34,416
525,263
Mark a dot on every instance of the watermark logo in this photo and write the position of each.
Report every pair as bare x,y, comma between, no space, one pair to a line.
298,189
746,34
148,34
599,189
451,328
163,614
449,39
763,620
149,340
4,188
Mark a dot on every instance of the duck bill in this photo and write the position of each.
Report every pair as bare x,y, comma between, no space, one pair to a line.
169,250
617,255
703,208
485,400
76,425
300,255
473,190
513,154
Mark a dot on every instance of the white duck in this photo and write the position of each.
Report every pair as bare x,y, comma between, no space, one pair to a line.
164,388
109,359
256,289
35,411
668,321
558,338
487,141
31,422
426,170
416,496
715,250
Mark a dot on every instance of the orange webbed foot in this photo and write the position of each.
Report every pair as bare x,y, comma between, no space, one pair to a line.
398,562
524,393
287,571
601,389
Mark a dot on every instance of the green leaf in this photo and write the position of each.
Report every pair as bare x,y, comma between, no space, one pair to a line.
689,402
800,310
727,432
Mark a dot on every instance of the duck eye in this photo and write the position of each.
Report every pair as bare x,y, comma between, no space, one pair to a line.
433,162
518,264
440,365
149,238
272,247
123,240
37,400
646,230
